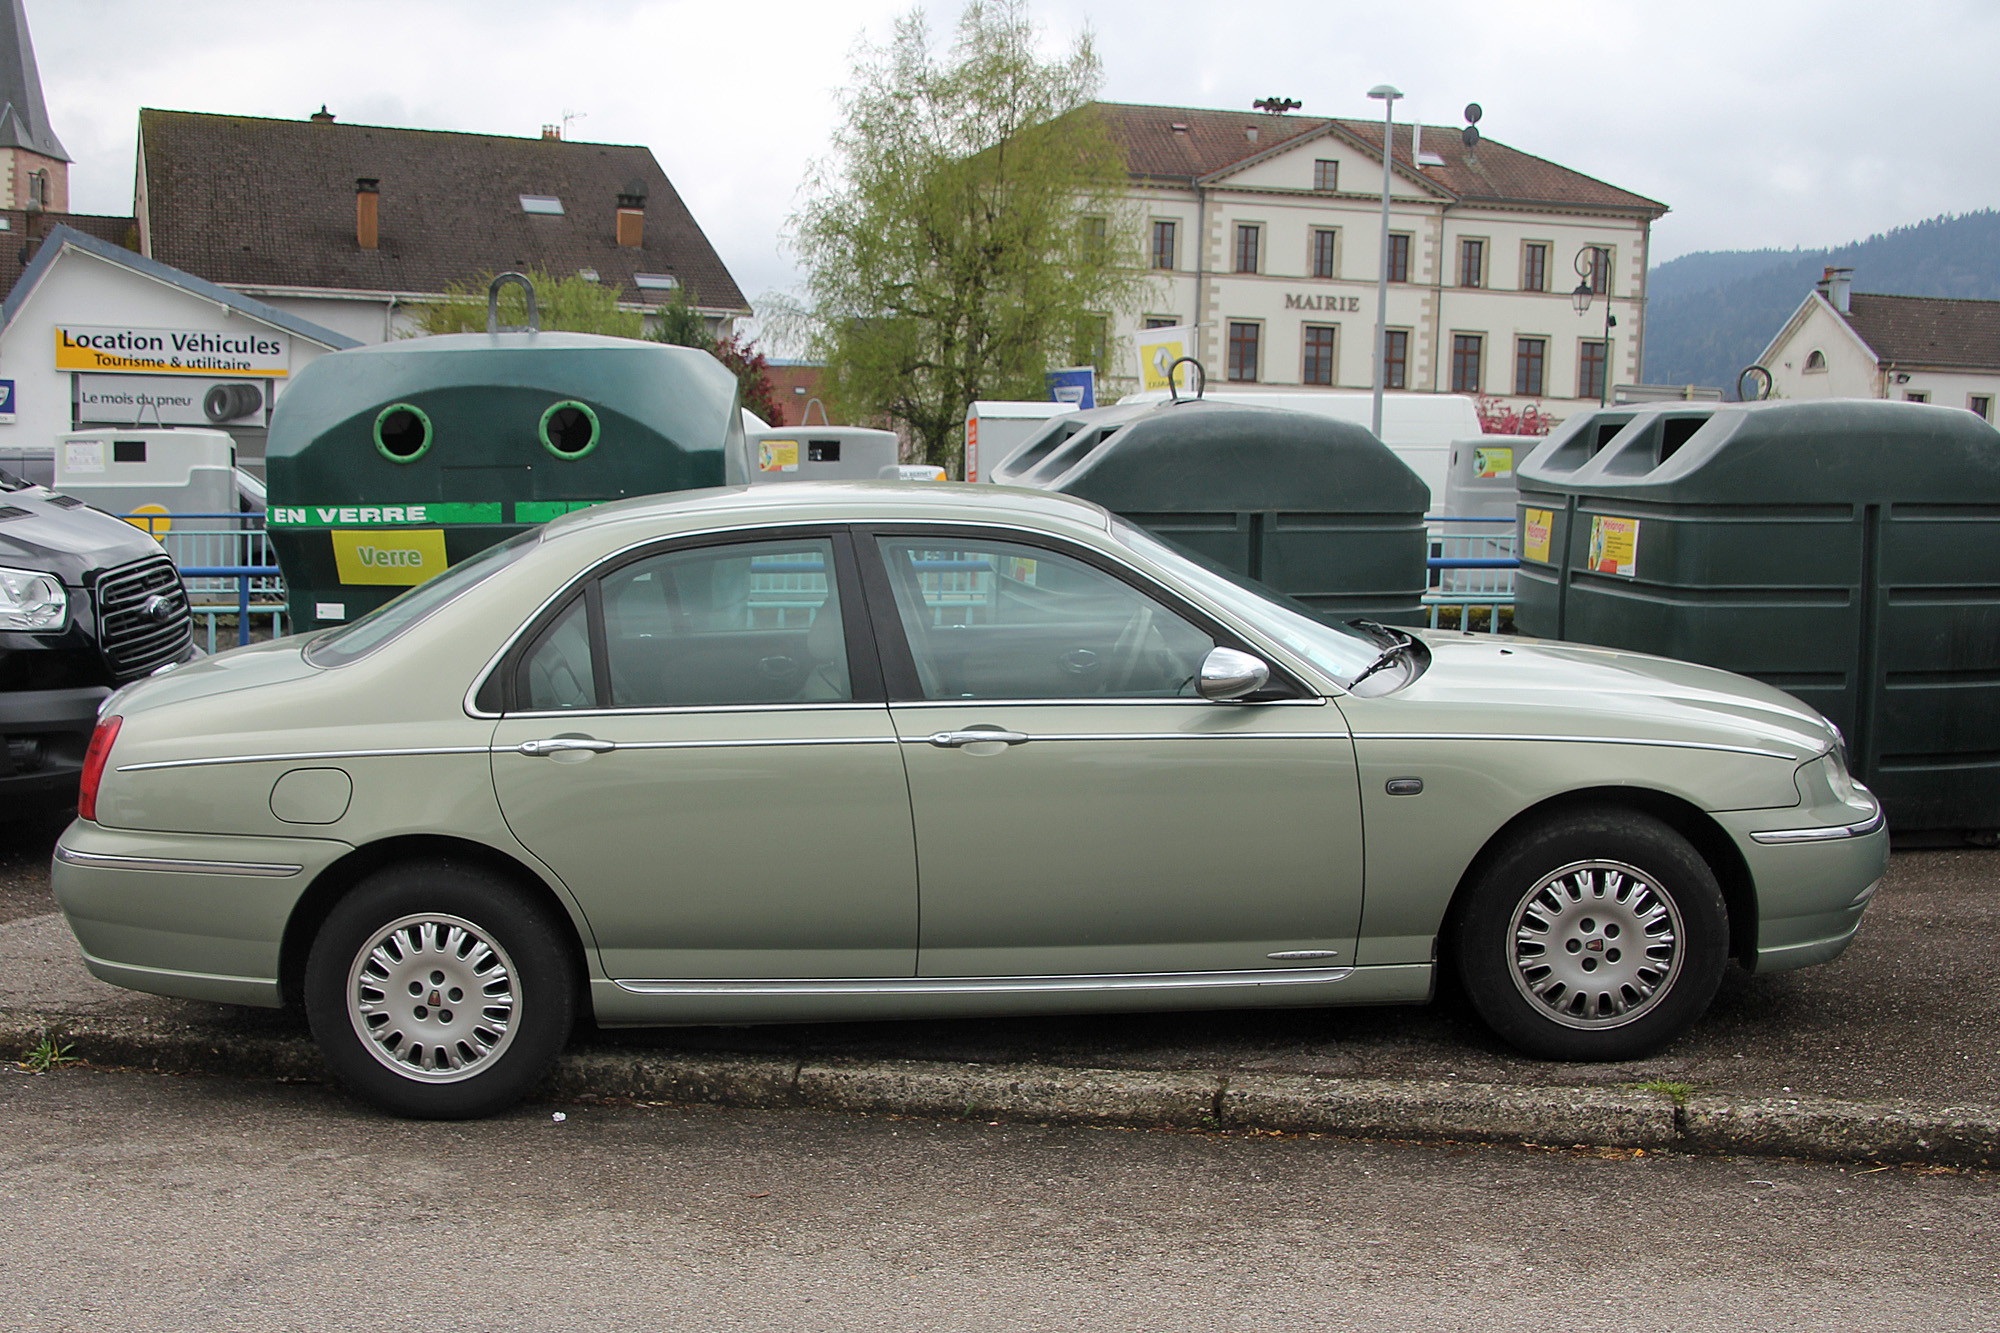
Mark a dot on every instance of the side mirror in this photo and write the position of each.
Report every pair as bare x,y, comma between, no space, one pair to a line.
1228,674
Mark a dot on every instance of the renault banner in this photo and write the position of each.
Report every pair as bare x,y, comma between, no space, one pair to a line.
102,348
1159,349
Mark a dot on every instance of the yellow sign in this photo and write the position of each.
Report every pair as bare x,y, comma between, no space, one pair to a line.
1536,524
1159,349
777,455
1614,545
95,347
153,520
396,556
1493,462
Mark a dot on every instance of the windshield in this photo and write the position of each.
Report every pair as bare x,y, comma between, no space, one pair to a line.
350,643
1338,650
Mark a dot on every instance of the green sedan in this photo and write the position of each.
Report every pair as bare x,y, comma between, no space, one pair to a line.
833,752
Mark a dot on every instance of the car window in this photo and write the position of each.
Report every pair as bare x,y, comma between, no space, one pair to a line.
1004,620
742,623
353,641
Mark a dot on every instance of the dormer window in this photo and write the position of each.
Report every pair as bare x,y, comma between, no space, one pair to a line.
541,203
655,282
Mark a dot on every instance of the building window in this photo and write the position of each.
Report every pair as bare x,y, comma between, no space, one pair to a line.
1396,359
1162,321
1399,256
1916,397
1590,368
1815,362
1166,240
1535,266
1094,238
38,189
1466,349
1471,262
1326,175
1600,270
1246,247
1324,243
1531,357
1319,354
1981,406
1243,338
1090,341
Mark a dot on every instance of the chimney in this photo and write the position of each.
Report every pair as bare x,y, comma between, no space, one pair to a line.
552,131
322,116
367,195
632,215
1837,285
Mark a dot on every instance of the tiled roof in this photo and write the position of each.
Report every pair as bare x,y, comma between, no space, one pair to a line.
1211,141
18,239
24,116
270,203
1928,330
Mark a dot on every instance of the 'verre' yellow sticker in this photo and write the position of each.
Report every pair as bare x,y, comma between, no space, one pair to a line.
398,556
777,455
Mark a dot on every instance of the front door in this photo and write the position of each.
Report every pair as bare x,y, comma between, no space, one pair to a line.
1114,822
689,752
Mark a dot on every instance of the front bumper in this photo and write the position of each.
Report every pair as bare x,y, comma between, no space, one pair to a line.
43,735
1811,890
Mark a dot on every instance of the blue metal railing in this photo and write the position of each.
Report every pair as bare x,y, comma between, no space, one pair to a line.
224,555
1471,569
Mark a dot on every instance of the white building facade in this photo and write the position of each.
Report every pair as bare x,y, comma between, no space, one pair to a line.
1265,232
1841,343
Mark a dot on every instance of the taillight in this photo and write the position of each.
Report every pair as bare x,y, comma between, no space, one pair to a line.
93,765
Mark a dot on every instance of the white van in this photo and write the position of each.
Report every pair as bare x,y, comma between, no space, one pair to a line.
1417,427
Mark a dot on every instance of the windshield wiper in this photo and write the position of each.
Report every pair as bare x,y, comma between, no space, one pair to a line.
1399,647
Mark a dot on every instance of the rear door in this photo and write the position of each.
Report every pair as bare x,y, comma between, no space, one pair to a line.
696,743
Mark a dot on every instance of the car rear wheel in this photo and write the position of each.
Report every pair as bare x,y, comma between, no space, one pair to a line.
440,992
1596,936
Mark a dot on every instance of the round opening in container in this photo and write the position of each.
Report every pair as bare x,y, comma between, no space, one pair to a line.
569,429
402,433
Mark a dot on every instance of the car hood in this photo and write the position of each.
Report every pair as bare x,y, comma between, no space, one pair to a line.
1487,683
41,530
237,669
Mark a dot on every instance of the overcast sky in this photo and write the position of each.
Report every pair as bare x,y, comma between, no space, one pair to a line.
1759,122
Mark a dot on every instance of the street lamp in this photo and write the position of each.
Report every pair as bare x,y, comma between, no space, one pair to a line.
1387,95
1587,261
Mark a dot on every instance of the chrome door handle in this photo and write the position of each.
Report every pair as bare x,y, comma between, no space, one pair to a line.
564,745
949,740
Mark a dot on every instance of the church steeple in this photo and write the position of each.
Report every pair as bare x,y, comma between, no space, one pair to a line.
34,168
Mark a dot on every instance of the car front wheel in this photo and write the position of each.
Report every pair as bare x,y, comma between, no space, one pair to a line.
1595,936
439,992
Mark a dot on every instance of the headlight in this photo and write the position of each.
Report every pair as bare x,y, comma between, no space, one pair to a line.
1845,789
30,599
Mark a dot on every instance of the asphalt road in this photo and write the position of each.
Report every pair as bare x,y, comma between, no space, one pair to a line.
141,1202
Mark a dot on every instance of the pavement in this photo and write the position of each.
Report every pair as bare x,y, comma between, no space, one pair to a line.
1888,1054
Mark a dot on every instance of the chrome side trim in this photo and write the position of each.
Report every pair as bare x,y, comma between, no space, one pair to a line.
1145,736
1652,741
691,710
300,756
786,742
1179,700
1826,833
101,861
1135,981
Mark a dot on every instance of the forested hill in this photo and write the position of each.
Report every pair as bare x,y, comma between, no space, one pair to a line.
1709,314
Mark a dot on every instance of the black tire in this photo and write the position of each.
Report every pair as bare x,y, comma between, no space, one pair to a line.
440,992
1546,942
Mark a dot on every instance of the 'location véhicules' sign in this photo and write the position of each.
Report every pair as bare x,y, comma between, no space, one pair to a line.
117,350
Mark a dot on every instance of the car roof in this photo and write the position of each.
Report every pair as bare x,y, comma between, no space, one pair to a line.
841,502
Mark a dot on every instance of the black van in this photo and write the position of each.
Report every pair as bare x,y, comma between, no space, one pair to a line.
87,603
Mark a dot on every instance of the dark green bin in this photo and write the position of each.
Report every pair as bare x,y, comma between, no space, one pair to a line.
387,463
1846,551
1316,508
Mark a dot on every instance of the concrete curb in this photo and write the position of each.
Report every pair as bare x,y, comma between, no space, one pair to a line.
1710,1122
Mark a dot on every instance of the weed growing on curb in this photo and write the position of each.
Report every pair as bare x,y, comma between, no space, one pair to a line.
1680,1092
45,1053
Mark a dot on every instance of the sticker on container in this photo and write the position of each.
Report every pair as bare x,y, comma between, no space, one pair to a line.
83,456
153,520
378,556
1018,568
777,455
1535,524
330,610
1614,545
1493,462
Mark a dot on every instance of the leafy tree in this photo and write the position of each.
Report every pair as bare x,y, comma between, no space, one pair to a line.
681,324
970,224
575,304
